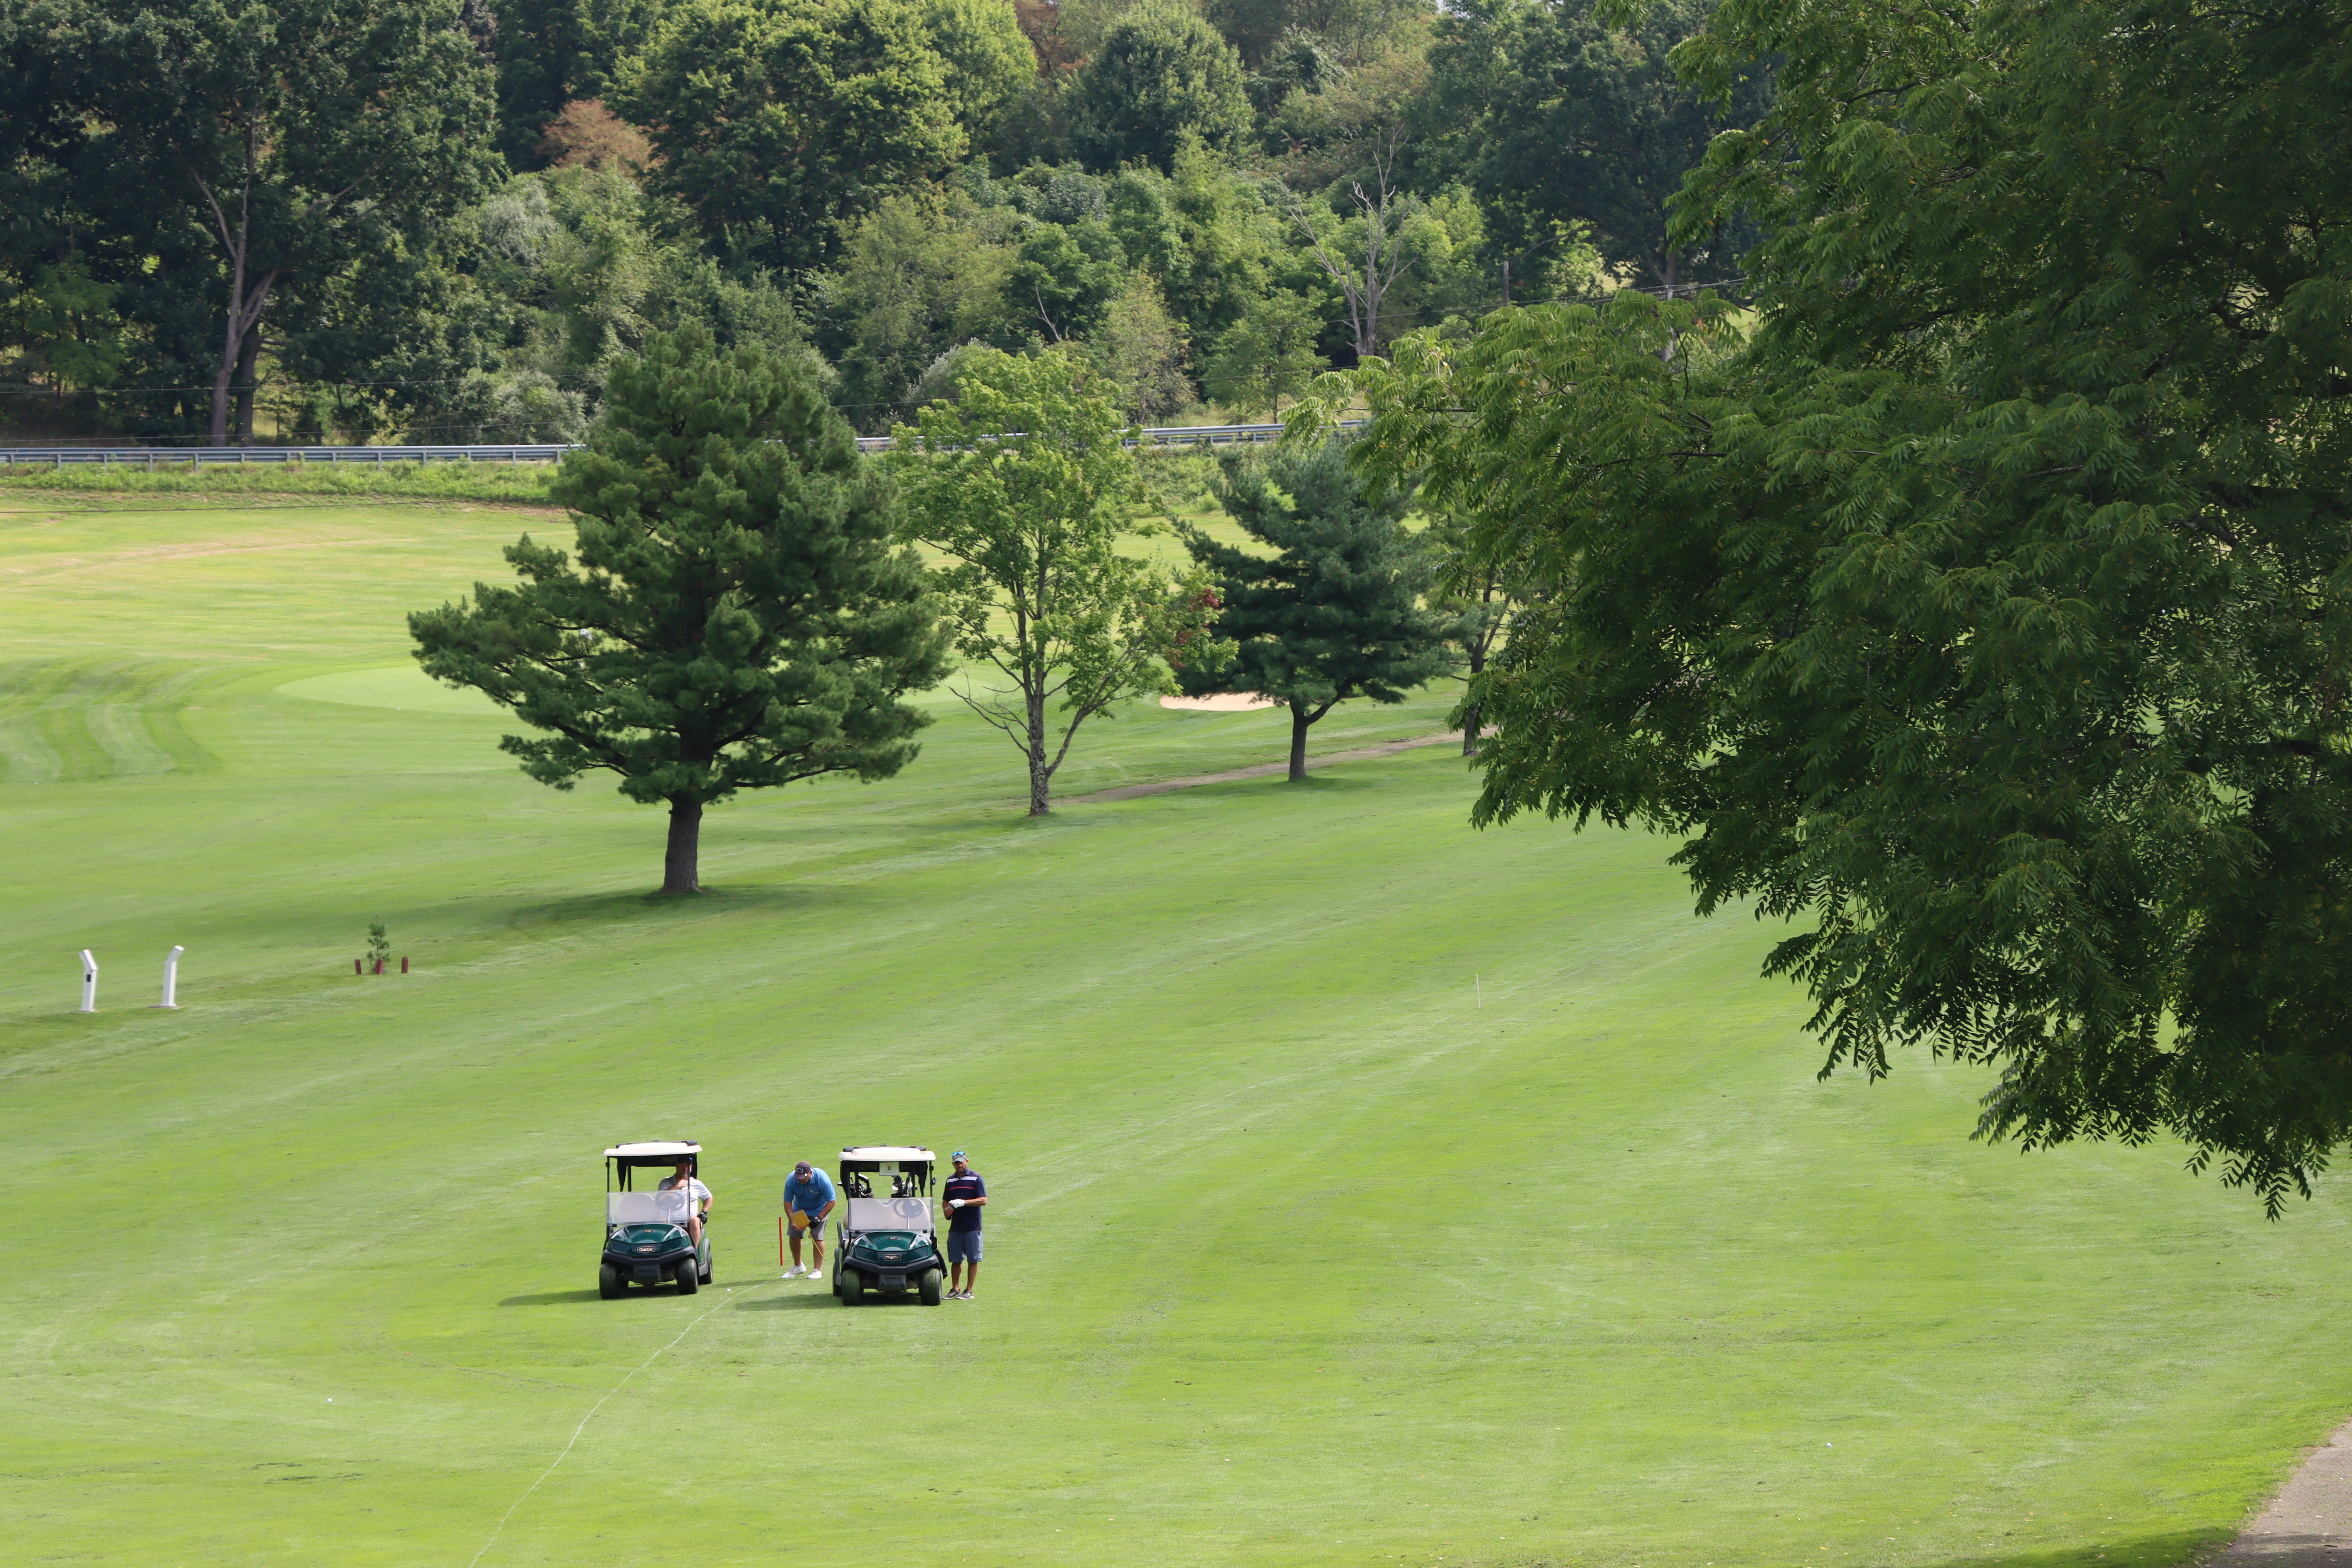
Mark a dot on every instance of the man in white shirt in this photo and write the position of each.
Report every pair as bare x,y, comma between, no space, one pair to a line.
697,1198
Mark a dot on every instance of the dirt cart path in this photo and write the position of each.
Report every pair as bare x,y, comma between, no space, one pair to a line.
1265,770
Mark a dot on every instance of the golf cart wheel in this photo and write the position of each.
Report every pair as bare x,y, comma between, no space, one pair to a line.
689,1281
853,1285
609,1283
931,1286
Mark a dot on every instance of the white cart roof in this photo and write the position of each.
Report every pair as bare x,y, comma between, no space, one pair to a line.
900,1153
657,1151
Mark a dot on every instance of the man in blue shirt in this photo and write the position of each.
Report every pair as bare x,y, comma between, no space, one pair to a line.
966,1196
808,1199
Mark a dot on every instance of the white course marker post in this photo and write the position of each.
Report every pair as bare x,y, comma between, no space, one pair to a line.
1477,992
171,980
88,982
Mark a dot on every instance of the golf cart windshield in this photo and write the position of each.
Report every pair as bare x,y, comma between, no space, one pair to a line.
646,1208
889,1213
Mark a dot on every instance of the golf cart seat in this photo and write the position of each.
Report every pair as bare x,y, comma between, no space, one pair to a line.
646,1208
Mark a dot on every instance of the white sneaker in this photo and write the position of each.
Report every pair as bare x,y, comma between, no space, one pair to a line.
794,1272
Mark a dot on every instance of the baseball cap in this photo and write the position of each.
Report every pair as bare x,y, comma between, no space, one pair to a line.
958,1155
802,1169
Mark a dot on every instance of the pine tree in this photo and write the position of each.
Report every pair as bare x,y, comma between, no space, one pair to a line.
1336,612
738,618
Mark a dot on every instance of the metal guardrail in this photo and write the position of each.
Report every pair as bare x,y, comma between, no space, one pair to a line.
551,452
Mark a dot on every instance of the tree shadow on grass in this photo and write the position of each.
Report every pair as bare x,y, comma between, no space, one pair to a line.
810,1301
640,909
2176,1549
2167,1551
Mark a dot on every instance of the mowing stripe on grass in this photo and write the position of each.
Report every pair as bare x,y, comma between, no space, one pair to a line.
566,1450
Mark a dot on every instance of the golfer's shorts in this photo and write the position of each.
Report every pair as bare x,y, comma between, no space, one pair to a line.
964,1247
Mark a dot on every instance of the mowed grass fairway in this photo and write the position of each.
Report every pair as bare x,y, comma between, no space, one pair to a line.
1294,1256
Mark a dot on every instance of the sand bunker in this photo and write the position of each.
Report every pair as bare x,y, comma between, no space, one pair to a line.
1223,702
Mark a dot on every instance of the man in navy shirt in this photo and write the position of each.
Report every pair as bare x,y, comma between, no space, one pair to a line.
966,1196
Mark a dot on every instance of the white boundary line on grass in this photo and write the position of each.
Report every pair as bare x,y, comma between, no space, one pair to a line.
501,1526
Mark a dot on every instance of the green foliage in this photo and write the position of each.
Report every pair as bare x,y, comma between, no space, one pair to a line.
738,619
299,136
379,948
1141,351
1212,237
519,483
1064,278
552,52
1268,355
774,126
917,277
989,62
1162,79
1024,483
66,328
1334,612
1986,615
1566,115
557,274
1348,32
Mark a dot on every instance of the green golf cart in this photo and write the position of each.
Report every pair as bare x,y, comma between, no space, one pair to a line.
884,1239
646,1238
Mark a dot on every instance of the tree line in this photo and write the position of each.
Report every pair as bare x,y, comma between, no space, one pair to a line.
745,606
447,220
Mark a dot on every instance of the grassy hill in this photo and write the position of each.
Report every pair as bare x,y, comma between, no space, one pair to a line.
1297,1256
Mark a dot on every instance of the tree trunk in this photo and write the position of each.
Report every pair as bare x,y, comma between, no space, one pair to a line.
682,864
1300,721
1470,713
247,353
1041,773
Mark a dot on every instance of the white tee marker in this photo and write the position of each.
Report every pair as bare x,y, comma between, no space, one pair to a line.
171,979
89,983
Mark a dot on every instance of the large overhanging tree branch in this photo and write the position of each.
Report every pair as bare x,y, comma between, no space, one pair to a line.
1988,615
305,133
737,618
1025,485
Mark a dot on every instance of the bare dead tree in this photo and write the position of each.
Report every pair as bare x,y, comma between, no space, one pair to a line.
1385,210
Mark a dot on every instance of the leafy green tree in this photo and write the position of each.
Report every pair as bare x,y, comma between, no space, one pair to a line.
1208,234
1162,78
1066,277
1479,593
737,618
1141,350
300,135
551,53
1335,613
989,62
776,126
1025,483
1350,31
918,276
1268,356
1984,616
1561,112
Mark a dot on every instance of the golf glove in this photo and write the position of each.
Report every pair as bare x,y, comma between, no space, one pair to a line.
955,1203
